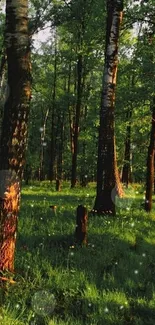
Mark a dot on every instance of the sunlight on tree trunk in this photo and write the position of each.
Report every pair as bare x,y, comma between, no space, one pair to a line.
9,206
107,173
14,126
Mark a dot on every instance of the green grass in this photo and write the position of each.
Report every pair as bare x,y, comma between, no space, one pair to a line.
112,281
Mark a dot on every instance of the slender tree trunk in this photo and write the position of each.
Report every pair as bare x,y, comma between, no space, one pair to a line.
84,167
71,128
150,164
27,174
2,69
14,126
108,183
60,144
42,147
77,120
2,84
154,174
52,143
126,173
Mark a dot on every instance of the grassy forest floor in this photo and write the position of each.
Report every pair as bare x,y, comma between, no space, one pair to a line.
111,281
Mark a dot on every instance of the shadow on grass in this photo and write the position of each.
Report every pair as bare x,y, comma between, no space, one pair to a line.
114,268
109,263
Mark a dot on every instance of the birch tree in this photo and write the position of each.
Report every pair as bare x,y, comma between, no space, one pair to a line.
108,183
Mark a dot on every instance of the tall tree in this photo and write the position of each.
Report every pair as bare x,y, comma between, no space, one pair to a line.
150,163
77,119
108,183
14,126
126,172
42,146
53,126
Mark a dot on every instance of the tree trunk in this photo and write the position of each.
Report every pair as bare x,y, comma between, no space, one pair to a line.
2,69
84,167
52,142
77,119
58,185
108,183
27,173
42,147
154,174
60,149
71,128
150,164
2,85
14,126
126,173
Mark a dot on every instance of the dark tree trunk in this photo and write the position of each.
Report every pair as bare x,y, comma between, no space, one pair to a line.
42,147
42,165
52,142
154,174
27,173
71,127
14,126
58,185
60,150
84,167
108,183
126,172
3,69
150,164
60,145
77,120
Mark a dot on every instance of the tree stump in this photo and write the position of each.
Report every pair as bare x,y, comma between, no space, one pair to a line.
81,225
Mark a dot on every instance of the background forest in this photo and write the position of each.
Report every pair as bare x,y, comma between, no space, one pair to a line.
78,29
109,279
55,73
